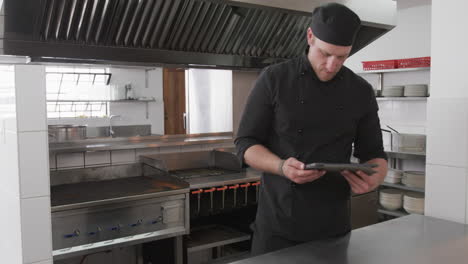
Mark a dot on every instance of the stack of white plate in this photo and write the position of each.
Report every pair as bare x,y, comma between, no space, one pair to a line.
393,176
393,91
391,199
417,90
416,179
413,202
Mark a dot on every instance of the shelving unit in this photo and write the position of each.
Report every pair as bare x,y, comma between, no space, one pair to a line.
381,74
396,213
402,187
396,70
109,101
401,98
88,103
209,237
396,157
405,155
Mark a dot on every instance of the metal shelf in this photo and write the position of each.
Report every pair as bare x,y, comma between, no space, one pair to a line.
99,101
213,236
397,213
405,155
73,102
403,187
402,98
396,70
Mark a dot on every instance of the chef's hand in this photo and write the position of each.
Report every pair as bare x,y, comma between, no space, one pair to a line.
294,170
360,182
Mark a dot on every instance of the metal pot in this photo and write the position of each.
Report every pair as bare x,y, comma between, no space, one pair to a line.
62,133
408,142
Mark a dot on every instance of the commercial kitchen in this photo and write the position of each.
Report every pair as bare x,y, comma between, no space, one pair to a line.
118,120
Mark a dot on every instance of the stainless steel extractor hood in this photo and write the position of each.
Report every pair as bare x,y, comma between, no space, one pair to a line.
227,34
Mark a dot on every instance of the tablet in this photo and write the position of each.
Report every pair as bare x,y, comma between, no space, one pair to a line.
366,168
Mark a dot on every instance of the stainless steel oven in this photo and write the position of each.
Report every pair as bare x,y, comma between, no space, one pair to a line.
92,216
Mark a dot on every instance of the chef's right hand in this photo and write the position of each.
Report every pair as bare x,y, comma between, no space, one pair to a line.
294,170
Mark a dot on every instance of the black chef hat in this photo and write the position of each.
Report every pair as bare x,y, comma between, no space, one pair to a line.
335,24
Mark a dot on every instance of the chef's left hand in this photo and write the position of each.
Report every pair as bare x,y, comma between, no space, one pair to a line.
360,182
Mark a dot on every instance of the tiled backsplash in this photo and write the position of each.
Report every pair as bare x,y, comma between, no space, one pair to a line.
64,161
403,116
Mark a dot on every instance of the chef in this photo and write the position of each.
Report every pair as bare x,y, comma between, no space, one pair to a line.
311,109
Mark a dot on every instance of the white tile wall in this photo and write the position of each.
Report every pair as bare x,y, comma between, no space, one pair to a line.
97,158
49,261
413,165
410,112
10,244
440,202
123,156
8,98
447,132
70,160
385,111
34,166
31,97
9,169
10,123
404,116
36,229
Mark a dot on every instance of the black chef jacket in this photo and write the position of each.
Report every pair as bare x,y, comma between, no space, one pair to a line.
294,114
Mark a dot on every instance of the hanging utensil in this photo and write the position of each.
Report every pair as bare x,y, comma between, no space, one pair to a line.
245,186
394,130
234,189
210,191
223,189
256,184
198,192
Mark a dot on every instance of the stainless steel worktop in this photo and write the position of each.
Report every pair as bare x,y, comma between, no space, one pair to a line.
101,144
204,182
411,239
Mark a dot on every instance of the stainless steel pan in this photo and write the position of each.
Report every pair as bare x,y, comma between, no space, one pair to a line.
62,133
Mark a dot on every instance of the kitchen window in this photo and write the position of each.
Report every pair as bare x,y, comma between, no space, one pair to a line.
209,101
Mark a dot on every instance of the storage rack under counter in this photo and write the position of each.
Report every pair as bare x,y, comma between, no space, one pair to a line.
223,198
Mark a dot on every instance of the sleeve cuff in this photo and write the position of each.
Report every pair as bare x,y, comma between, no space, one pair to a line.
242,144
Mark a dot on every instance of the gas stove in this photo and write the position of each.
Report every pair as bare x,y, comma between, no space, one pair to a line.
94,216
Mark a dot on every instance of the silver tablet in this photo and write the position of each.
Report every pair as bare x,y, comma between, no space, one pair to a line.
366,168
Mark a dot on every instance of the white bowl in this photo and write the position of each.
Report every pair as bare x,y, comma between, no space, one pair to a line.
391,205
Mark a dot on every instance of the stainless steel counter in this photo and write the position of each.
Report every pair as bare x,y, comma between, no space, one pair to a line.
228,179
101,144
411,239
